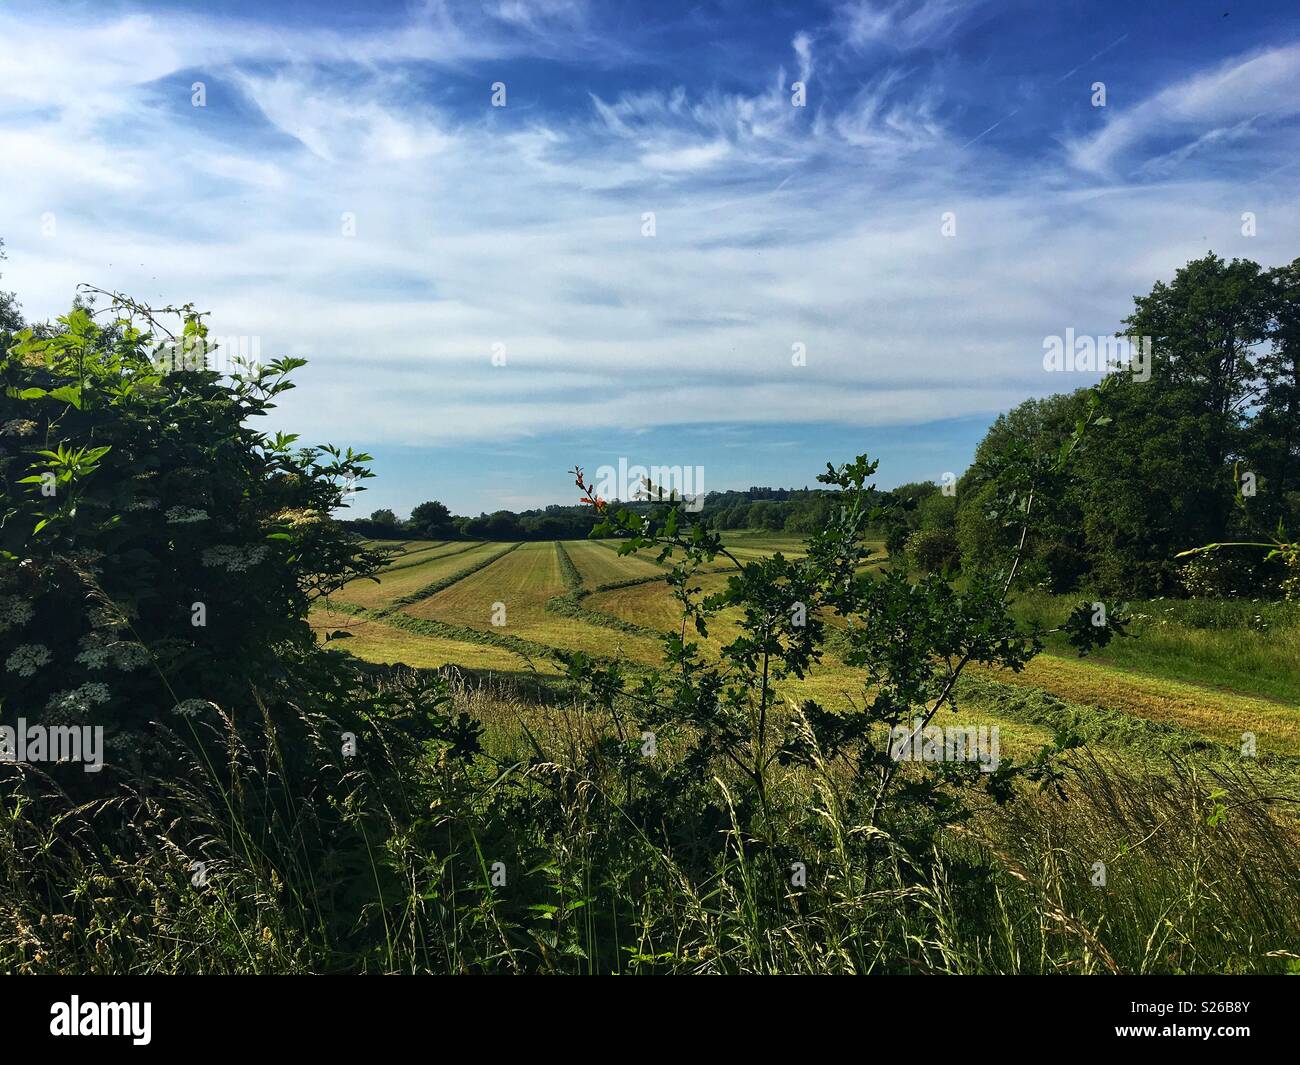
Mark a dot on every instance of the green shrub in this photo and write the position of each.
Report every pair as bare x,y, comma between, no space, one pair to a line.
1219,575
156,550
933,550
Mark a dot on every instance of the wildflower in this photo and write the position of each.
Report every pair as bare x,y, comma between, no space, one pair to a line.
94,652
83,698
234,559
18,427
297,518
193,707
99,653
184,515
27,658
14,611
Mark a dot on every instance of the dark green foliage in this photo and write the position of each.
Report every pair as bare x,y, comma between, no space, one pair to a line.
933,550
910,642
155,548
1223,401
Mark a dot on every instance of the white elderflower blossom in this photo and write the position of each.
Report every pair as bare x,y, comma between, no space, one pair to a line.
193,707
234,559
184,515
14,611
83,698
27,658
129,656
99,653
94,652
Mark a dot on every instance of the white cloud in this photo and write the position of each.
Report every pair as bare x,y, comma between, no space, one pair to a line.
904,23
775,225
694,157
1255,89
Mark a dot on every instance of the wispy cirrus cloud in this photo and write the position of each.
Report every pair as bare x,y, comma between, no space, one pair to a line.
521,226
1242,95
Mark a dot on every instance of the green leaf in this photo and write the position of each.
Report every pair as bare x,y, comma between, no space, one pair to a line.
69,394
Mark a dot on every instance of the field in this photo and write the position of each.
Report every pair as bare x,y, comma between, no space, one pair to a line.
1182,782
1196,677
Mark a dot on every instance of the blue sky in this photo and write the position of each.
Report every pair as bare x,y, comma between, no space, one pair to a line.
519,229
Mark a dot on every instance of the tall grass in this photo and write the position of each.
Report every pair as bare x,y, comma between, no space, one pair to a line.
1245,645
533,856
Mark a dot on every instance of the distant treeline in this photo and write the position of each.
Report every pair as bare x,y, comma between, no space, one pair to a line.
767,509
1204,448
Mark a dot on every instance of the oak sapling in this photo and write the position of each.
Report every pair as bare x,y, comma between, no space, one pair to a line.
909,639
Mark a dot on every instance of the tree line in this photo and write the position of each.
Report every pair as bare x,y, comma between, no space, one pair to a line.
1204,448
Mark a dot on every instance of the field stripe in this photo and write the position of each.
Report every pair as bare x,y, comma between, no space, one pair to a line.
1220,715
371,640
446,582
445,630
381,588
570,603
446,554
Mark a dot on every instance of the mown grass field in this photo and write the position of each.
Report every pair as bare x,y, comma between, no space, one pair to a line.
1201,673
400,579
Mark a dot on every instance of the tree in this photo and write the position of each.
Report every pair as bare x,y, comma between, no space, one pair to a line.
385,518
899,519
432,521
11,318
988,535
1163,481
933,550
1274,437
1224,388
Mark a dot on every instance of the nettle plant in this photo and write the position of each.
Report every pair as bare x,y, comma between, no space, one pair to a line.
156,551
727,723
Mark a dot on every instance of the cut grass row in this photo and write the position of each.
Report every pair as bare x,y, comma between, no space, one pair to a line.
570,604
510,599
581,596
394,584
434,587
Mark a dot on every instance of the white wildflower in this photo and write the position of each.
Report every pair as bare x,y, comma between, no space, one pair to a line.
14,611
193,707
27,658
234,559
99,653
82,698
129,656
94,652
184,515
